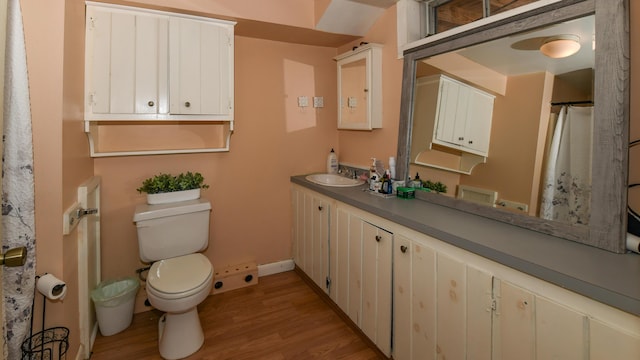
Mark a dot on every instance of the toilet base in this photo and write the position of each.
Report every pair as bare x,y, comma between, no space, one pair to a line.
179,335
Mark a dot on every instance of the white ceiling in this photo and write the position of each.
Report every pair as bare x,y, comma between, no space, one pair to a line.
500,55
352,17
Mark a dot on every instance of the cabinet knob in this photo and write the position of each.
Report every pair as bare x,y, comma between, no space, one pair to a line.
403,249
151,103
460,138
320,208
470,141
187,104
378,238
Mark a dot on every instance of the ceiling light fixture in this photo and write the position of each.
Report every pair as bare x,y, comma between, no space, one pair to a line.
560,46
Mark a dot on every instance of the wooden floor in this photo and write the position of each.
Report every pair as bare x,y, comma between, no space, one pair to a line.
279,318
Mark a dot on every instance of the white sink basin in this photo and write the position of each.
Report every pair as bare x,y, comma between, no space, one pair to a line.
333,180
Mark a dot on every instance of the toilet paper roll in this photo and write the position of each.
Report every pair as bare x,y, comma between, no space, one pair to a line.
633,243
51,287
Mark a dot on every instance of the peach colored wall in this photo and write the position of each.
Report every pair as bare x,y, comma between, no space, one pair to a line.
273,139
357,147
61,161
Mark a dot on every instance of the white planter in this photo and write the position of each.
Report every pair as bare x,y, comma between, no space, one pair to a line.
170,197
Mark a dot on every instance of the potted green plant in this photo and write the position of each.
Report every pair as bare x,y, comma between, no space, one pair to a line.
165,188
435,186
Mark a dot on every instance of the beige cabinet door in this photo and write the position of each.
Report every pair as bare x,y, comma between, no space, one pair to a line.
414,300
311,235
451,308
607,342
479,314
561,332
201,67
376,285
514,330
340,259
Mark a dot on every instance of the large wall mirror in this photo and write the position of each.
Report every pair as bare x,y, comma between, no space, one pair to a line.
557,158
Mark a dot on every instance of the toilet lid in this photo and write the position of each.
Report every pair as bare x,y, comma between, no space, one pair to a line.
179,274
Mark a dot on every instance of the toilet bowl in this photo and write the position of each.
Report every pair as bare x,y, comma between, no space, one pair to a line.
170,237
176,286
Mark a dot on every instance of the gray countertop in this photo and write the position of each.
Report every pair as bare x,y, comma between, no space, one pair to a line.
613,279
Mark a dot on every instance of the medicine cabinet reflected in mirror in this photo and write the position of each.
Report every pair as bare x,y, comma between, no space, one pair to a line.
533,94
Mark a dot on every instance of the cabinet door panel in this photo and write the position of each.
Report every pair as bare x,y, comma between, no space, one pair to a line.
340,261
560,332
185,63
369,280
402,298
515,323
376,286
320,242
608,343
123,63
214,85
451,308
147,36
355,270
414,301
99,52
479,313
478,125
446,128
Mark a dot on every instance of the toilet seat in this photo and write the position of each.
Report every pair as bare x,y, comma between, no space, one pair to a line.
179,277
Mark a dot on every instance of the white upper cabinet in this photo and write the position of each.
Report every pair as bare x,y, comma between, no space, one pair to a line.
132,55
201,63
463,117
360,88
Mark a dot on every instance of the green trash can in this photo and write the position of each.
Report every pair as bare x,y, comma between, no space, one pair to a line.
114,301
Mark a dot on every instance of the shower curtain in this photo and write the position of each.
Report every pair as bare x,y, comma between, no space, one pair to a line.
18,226
566,188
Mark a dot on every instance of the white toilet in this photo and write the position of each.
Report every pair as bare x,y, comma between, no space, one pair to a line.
170,236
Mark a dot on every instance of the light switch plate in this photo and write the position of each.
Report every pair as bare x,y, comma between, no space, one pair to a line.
318,101
352,102
303,101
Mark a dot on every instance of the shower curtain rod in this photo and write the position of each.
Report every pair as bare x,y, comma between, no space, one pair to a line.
584,102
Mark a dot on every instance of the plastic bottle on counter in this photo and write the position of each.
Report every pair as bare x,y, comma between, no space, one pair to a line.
392,167
416,182
332,163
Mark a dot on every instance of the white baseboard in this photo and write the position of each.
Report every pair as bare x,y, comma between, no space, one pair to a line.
276,267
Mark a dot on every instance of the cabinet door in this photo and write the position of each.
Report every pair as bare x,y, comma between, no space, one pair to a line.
339,259
201,67
608,342
479,113
311,231
450,124
376,285
127,62
414,300
561,332
514,330
451,308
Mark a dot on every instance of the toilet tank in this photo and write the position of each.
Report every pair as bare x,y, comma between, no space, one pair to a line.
170,230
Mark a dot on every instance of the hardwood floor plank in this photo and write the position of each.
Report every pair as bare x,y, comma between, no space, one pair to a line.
280,318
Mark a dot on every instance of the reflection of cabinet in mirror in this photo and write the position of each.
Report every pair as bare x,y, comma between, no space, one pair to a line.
452,124
360,88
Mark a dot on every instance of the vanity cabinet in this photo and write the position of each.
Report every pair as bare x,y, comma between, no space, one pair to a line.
449,303
445,302
311,235
360,88
157,82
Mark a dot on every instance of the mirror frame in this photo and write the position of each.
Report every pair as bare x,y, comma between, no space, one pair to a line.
607,227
